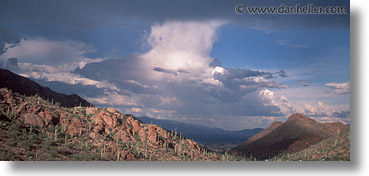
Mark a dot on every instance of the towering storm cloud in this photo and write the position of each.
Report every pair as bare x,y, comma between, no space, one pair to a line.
173,60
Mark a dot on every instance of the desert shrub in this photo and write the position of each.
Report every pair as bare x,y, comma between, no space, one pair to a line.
25,144
11,143
70,145
14,130
48,144
4,157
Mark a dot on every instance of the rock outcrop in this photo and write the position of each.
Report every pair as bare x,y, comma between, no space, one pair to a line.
102,132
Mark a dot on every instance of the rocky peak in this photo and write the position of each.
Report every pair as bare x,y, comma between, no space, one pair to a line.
276,123
297,117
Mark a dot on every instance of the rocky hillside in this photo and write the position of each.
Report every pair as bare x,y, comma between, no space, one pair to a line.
28,87
32,128
296,134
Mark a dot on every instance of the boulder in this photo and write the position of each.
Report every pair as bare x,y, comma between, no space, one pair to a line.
152,135
49,118
106,120
136,126
74,127
91,110
128,156
33,119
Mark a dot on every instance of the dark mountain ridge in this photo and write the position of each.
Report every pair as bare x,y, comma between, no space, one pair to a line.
28,87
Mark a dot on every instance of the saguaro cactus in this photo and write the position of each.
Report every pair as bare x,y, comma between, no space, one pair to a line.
118,155
56,134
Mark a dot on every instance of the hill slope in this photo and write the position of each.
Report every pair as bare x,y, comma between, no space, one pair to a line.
297,133
204,135
265,132
32,128
28,87
334,148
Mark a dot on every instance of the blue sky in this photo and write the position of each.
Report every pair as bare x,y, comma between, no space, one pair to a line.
179,61
286,49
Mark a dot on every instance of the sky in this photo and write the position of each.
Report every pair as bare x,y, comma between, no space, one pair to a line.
192,61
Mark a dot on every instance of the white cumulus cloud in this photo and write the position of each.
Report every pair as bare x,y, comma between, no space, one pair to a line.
339,88
268,97
180,46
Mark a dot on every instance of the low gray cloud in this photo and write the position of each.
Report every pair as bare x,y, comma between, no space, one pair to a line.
238,94
8,38
239,73
80,89
281,73
303,83
341,114
49,52
174,72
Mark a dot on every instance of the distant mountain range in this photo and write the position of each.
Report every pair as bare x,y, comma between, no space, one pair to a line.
204,135
25,86
297,133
